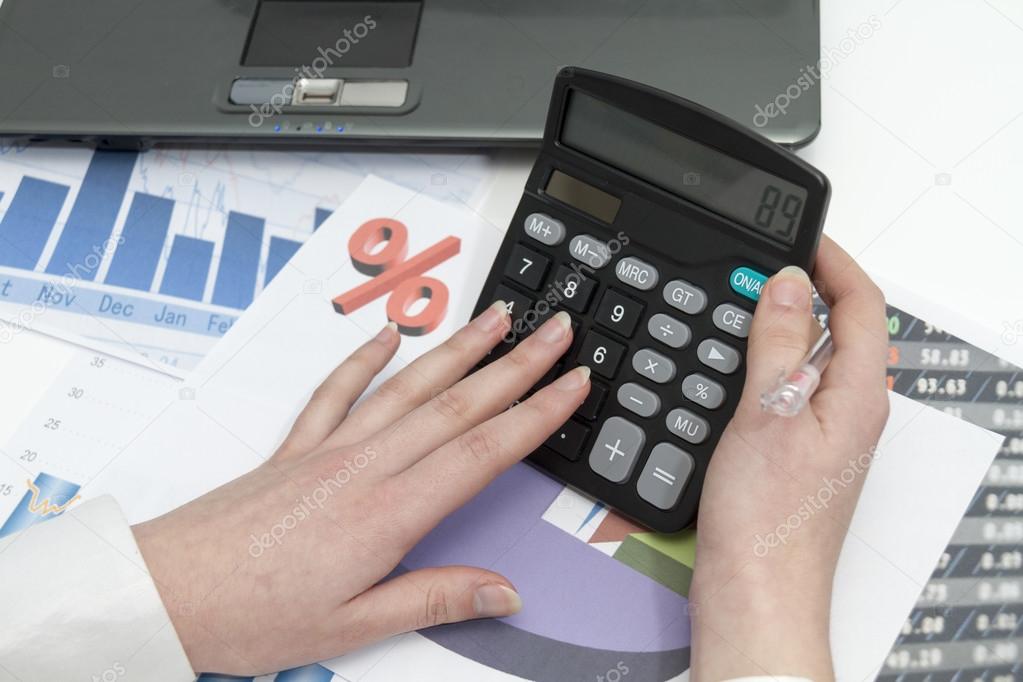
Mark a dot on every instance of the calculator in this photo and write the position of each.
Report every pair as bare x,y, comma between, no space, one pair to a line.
654,222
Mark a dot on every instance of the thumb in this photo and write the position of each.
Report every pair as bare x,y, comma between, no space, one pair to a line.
782,331
433,596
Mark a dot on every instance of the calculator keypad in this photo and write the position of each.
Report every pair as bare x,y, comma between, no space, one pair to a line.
664,346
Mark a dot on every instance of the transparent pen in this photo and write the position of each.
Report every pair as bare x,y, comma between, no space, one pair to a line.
793,392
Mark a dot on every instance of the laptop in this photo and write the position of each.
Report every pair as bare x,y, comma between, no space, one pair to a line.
452,73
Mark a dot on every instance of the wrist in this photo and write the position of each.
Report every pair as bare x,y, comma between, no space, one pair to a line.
755,621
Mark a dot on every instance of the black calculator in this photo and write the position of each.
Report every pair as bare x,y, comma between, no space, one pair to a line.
654,222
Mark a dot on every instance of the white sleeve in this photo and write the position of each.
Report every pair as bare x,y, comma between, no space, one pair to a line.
78,603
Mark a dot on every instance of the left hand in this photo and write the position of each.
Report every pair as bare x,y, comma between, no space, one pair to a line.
283,566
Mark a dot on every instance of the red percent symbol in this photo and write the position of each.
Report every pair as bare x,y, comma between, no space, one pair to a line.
402,277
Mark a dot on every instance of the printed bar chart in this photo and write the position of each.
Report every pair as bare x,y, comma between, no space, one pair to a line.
142,239
29,220
187,268
92,217
239,261
281,251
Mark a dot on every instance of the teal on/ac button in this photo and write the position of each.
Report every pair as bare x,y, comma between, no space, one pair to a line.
747,282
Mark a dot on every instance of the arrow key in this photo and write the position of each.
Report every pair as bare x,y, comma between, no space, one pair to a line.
718,355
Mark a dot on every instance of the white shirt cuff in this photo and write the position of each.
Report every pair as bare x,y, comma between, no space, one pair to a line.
80,604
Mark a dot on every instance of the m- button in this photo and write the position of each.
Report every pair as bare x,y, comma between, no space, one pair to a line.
636,273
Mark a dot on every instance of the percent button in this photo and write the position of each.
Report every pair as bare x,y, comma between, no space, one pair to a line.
394,273
703,391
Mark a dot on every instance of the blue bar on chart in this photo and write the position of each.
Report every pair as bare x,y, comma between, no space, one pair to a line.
307,673
29,220
321,215
239,261
281,251
46,497
188,266
145,231
92,217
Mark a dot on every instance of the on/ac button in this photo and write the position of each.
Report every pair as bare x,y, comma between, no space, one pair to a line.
747,282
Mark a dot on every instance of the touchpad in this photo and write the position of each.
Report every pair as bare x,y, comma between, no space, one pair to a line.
320,34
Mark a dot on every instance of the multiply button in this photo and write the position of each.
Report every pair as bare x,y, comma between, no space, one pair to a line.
703,391
665,475
668,330
545,229
653,366
687,426
636,273
684,296
589,250
732,319
615,451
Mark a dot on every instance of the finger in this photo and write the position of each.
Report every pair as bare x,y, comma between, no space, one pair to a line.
476,398
428,597
332,399
456,472
780,335
424,377
859,330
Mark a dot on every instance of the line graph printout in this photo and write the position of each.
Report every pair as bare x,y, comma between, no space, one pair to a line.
157,253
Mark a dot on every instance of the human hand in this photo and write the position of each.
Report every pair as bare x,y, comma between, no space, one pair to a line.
780,492
282,566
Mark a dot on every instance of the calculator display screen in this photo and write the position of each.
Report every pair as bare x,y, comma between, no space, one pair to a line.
753,197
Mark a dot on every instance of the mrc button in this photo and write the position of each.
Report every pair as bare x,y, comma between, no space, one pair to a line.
747,282
545,229
636,273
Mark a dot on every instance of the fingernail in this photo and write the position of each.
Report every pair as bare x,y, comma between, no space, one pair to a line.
491,601
388,332
554,329
790,287
492,317
574,380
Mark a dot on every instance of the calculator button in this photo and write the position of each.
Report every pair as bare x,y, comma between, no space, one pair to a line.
636,273
568,441
545,229
593,402
516,303
747,282
635,398
601,354
653,365
733,320
589,250
687,426
618,313
665,475
684,296
527,267
717,355
668,330
574,289
615,451
703,391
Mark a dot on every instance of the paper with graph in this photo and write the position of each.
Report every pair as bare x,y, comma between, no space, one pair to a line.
158,253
